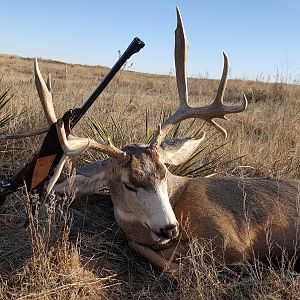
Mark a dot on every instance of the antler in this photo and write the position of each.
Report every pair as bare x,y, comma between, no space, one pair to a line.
17,135
215,110
73,145
45,95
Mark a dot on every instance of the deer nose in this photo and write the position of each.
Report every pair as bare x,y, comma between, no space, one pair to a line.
170,231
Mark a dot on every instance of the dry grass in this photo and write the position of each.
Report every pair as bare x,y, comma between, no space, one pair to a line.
52,269
76,251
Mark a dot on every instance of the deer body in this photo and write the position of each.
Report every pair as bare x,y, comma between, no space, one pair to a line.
239,217
236,218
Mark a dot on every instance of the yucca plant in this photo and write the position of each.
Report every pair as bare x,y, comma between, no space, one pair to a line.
209,156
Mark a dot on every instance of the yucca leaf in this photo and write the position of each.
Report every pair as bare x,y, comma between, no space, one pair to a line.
4,99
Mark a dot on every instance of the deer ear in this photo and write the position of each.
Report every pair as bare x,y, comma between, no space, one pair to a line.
90,178
176,151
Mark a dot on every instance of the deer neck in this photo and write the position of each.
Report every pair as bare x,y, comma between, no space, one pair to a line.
176,185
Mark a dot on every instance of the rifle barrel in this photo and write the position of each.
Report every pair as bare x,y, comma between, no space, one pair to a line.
134,47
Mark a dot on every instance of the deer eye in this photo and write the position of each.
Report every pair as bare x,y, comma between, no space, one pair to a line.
129,188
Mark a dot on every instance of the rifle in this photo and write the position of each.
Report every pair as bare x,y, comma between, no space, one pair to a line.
35,173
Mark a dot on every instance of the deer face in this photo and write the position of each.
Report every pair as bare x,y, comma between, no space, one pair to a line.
142,196
139,190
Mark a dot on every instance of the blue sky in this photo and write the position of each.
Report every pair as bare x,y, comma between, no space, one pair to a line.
259,36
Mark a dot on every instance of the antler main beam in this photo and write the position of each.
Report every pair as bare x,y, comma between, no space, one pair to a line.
180,54
75,145
44,91
207,113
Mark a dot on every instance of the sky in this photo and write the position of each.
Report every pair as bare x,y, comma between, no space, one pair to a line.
260,37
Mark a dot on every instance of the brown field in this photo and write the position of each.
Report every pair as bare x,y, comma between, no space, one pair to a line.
75,250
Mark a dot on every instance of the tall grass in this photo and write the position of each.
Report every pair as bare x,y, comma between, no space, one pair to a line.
74,250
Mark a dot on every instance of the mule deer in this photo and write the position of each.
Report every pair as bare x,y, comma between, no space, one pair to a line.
232,214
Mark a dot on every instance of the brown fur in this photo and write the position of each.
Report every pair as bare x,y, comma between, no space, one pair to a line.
238,217
144,167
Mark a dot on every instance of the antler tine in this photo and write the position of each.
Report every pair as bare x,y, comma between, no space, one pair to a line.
223,81
110,149
56,174
17,135
44,91
181,53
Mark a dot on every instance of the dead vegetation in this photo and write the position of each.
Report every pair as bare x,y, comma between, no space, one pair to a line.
73,249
